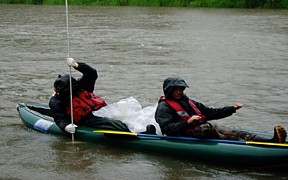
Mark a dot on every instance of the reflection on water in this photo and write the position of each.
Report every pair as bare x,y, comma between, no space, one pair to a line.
225,55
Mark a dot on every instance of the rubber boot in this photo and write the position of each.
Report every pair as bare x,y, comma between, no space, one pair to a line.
280,134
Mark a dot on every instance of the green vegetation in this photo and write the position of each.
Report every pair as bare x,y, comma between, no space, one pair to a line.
283,4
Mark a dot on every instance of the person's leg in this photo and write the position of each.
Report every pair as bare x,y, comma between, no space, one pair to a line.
216,132
105,123
204,131
225,133
228,134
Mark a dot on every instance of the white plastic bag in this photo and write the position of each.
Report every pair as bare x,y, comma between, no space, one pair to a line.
120,110
130,112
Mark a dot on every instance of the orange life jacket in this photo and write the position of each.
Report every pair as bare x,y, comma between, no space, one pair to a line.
179,109
85,103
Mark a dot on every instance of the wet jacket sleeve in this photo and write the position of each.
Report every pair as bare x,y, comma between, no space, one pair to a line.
90,75
215,113
58,110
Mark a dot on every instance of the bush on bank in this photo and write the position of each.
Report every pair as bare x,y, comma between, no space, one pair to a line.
283,4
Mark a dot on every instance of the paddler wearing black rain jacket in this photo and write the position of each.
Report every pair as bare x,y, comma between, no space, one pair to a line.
177,115
82,89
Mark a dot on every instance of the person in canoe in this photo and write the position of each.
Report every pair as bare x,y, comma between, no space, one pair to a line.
177,115
84,101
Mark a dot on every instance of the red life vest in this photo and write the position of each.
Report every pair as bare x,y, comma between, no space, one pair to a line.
179,109
85,103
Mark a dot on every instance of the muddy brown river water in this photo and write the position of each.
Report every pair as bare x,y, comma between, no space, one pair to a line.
225,55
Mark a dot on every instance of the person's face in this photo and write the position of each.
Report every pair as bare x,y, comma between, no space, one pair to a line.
177,92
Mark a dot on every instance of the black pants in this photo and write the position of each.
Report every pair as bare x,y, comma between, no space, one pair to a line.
105,123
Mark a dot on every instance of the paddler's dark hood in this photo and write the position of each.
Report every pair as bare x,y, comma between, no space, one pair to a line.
171,82
62,85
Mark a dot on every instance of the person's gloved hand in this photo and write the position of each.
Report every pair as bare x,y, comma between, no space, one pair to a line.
71,128
72,63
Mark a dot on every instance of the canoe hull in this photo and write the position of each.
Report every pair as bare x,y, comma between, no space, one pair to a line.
194,150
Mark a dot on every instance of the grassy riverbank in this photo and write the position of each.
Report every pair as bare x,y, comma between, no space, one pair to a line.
282,4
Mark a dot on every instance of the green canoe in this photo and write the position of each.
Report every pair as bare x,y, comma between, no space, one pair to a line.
235,153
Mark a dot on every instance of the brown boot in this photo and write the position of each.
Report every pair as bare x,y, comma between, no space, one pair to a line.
280,134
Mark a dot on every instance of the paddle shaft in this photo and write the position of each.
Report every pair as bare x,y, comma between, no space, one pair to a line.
68,55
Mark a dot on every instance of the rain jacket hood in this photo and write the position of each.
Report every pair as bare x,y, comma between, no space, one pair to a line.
171,82
62,85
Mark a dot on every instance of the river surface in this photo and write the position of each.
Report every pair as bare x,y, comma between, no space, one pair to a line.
225,55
